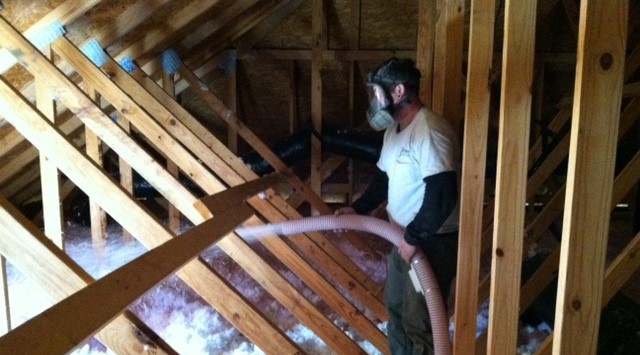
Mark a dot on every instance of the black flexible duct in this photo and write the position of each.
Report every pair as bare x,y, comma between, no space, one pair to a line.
296,147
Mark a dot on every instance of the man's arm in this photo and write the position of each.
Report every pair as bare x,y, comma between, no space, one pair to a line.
374,195
440,197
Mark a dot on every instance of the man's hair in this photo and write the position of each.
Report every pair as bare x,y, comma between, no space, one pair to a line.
396,71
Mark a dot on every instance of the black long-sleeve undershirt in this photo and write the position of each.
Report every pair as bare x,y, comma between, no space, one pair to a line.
440,197
374,195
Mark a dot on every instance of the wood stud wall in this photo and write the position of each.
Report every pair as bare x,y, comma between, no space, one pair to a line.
594,133
513,143
474,157
591,149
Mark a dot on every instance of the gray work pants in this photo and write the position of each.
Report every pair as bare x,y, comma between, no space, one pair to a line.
409,326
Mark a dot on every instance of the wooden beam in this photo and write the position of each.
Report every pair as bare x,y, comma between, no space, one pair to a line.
145,119
246,42
220,40
94,149
204,34
65,13
224,200
169,86
159,38
128,20
21,182
318,36
572,12
138,117
232,103
294,120
49,176
278,247
425,48
256,143
59,276
513,143
5,309
473,173
126,173
27,157
137,13
632,63
618,273
119,204
336,263
215,24
54,331
594,132
133,216
621,269
447,61
623,183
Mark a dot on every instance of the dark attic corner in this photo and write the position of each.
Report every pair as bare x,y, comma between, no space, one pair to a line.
170,171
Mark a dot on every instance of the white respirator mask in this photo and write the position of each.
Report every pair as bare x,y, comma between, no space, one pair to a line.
380,112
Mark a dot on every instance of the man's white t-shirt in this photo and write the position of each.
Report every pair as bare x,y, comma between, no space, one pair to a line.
426,147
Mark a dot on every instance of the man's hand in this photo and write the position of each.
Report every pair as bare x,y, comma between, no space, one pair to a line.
344,210
341,211
406,251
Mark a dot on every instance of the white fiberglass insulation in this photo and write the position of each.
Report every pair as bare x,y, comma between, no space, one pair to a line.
190,325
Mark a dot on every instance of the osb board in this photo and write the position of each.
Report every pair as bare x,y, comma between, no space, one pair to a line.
388,24
384,25
264,94
96,19
159,19
24,13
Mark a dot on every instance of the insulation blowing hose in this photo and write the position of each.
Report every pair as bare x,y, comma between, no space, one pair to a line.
392,233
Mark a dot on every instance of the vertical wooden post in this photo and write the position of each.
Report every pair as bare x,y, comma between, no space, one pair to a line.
447,61
513,147
425,48
49,175
93,146
293,99
126,174
168,84
474,163
232,103
354,44
594,131
5,309
319,39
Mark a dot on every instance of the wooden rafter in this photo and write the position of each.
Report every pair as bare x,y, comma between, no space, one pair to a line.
158,39
120,205
594,133
447,61
143,119
275,245
63,277
245,42
513,145
473,172
54,331
66,13
334,261
216,42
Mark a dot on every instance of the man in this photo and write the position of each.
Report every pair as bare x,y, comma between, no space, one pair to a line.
417,176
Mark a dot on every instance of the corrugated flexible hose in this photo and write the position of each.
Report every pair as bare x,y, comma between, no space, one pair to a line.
392,233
